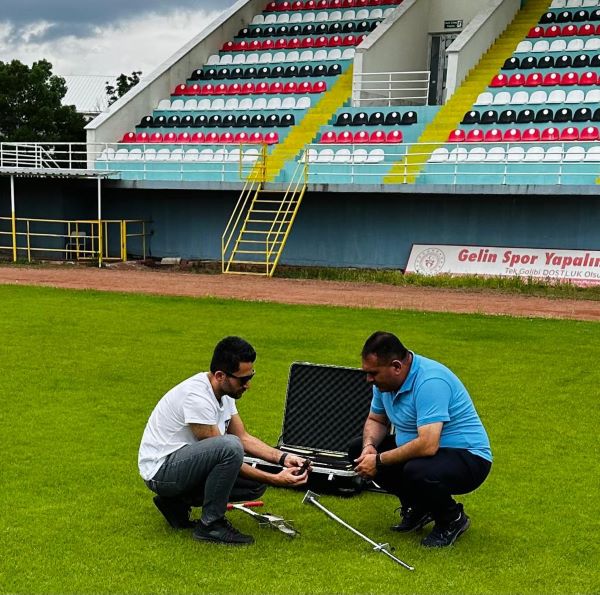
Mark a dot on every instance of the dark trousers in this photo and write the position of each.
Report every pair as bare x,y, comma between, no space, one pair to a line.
428,483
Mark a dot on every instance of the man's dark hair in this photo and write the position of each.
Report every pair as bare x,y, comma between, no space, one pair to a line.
229,353
385,346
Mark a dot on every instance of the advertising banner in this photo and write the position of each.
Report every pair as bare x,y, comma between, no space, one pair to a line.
581,267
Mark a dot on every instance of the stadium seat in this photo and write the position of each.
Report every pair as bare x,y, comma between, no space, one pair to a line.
271,138
535,32
512,135
493,135
530,135
392,118
525,116
457,136
562,115
141,137
590,133
550,134
345,137
170,137
393,136
128,137
511,64
361,136
569,134
583,114
552,79
474,136
329,137
500,80
543,116
529,63
588,78
489,117
184,137
533,80
569,78
471,117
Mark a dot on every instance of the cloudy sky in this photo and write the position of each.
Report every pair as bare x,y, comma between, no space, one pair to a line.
103,37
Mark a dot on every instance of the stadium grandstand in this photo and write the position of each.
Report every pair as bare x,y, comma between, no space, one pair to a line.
335,133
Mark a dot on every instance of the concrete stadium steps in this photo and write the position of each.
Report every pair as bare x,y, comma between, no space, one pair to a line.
478,79
306,130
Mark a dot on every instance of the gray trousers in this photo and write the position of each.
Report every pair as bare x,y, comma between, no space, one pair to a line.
206,474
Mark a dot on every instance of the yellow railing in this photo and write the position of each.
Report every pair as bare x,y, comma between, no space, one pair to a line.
67,239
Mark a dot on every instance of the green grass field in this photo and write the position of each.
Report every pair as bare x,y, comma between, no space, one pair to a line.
81,372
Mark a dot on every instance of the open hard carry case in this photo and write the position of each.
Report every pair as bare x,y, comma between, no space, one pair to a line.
325,408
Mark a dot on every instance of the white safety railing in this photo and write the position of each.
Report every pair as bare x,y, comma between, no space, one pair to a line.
402,163
390,88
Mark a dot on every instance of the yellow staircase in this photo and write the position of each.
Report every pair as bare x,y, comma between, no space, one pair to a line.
260,224
307,129
452,112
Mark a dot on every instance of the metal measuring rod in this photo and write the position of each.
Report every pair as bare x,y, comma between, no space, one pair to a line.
384,548
265,519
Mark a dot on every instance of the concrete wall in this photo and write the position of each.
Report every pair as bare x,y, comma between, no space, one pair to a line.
125,113
476,39
332,229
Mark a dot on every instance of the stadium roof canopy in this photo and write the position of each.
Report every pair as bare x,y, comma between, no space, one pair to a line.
88,92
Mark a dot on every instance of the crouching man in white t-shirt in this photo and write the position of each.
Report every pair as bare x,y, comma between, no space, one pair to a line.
192,450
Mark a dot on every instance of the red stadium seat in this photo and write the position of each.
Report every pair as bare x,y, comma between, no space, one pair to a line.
535,32
569,78
220,89
588,78
512,135
335,4
361,136
589,133
297,5
307,42
322,4
281,43
247,89
552,31
516,80
377,136
493,135
256,137
394,136
194,89
212,137
275,88
334,41
271,138
569,31
319,87
242,46
359,39
349,40
328,138
180,89
348,3
293,43
156,137
141,137
170,137
321,42
228,46
474,136
270,7
587,29
499,80
374,2
129,137
290,87
598,30
569,134
226,137
304,87
283,6
530,135
345,137
242,137
551,79
198,137
233,89
457,136
255,45
208,89
184,137
261,88
267,44
361,3
550,134
310,5
533,80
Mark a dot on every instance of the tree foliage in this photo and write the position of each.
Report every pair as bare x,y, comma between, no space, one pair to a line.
31,108
124,83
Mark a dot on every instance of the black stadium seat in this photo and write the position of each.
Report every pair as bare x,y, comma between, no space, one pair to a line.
334,29
374,25
242,121
548,18
321,29
222,73
282,31
525,116
295,30
159,122
528,63
489,117
250,73
583,114
257,121
306,70
269,32
308,29
581,16
595,61
393,118
563,17
263,72
511,64
334,70
236,73
409,118
581,61
187,121
595,15
344,119
197,75
320,70
563,61
228,120
362,27
349,27
201,121
146,122
596,115
272,120
508,116
214,121
360,119
376,119
543,116
173,121
562,115
277,72
546,62
291,71
288,120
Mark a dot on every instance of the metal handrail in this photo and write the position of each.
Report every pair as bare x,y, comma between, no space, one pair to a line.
390,88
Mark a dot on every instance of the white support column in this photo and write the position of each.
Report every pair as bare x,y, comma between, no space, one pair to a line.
13,217
100,235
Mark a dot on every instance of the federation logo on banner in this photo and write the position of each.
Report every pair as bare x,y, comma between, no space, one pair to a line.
430,261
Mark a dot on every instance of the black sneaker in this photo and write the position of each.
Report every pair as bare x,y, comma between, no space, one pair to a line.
412,520
445,536
221,531
175,511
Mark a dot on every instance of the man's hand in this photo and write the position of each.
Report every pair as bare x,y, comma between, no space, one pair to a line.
293,461
287,477
366,464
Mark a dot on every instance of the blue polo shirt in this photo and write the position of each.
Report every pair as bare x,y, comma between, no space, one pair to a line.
433,393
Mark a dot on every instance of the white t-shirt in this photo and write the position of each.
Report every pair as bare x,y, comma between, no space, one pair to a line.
167,430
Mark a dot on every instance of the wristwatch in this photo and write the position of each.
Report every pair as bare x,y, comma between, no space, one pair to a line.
378,463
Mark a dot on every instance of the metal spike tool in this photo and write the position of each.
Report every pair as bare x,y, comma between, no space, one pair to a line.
265,519
384,548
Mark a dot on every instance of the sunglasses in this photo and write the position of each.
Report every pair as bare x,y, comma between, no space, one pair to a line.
242,379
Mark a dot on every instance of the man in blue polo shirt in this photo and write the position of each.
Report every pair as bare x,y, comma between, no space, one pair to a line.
440,447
